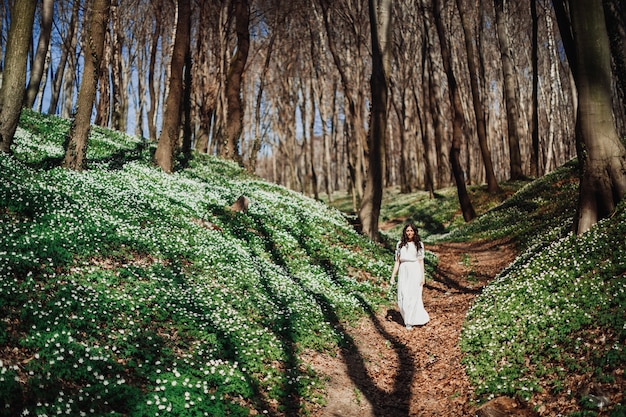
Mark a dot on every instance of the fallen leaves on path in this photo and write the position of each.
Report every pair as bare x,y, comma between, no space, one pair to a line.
391,371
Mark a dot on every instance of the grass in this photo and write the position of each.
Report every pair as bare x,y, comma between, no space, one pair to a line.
127,291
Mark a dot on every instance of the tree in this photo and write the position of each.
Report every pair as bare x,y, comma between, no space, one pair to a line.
458,117
481,128
168,141
512,111
14,77
234,78
601,155
380,26
77,139
39,63
68,47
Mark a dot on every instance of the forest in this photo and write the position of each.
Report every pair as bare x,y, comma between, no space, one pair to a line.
183,106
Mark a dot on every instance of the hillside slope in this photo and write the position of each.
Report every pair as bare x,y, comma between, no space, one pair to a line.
127,291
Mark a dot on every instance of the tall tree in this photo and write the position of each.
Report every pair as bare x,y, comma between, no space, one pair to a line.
77,139
234,79
14,76
601,155
511,101
168,141
68,47
534,150
380,25
39,63
458,120
479,113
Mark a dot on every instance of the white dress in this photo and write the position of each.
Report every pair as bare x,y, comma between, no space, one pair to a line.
410,284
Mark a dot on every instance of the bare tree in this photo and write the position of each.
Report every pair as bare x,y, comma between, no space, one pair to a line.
512,110
234,120
14,75
479,114
458,117
168,141
602,157
39,63
68,48
380,25
76,141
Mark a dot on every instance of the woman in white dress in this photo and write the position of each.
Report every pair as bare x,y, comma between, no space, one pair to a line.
409,267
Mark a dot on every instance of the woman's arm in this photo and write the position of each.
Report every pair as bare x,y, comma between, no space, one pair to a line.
396,266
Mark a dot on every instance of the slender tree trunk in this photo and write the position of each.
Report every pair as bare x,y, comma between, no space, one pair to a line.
14,76
601,155
458,118
103,105
67,52
39,64
234,80
615,13
152,91
76,141
312,158
534,154
479,114
380,25
512,110
168,141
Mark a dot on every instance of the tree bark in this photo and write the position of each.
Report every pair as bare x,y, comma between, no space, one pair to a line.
534,154
39,63
512,111
76,141
168,141
234,80
152,90
602,157
14,77
458,118
479,114
380,25
67,51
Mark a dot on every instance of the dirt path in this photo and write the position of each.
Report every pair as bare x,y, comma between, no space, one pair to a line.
394,372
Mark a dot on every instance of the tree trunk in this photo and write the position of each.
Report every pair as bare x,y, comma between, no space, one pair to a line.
380,25
14,77
67,51
76,141
615,14
534,154
234,80
601,155
479,114
39,63
168,141
458,118
152,90
510,99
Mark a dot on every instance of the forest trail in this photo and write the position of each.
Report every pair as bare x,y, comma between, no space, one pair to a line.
393,372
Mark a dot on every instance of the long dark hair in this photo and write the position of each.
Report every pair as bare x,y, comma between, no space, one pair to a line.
416,237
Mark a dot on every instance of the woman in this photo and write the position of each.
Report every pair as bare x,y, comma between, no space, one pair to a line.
409,267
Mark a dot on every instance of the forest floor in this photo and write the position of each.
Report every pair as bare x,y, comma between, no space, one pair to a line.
389,371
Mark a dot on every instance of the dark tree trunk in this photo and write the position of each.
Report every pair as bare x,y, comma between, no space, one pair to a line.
458,118
39,64
601,155
234,81
76,141
479,114
380,24
168,141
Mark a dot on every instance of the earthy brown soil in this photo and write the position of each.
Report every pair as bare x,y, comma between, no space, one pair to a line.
391,371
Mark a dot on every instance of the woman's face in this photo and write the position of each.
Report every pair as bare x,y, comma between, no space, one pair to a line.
410,233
